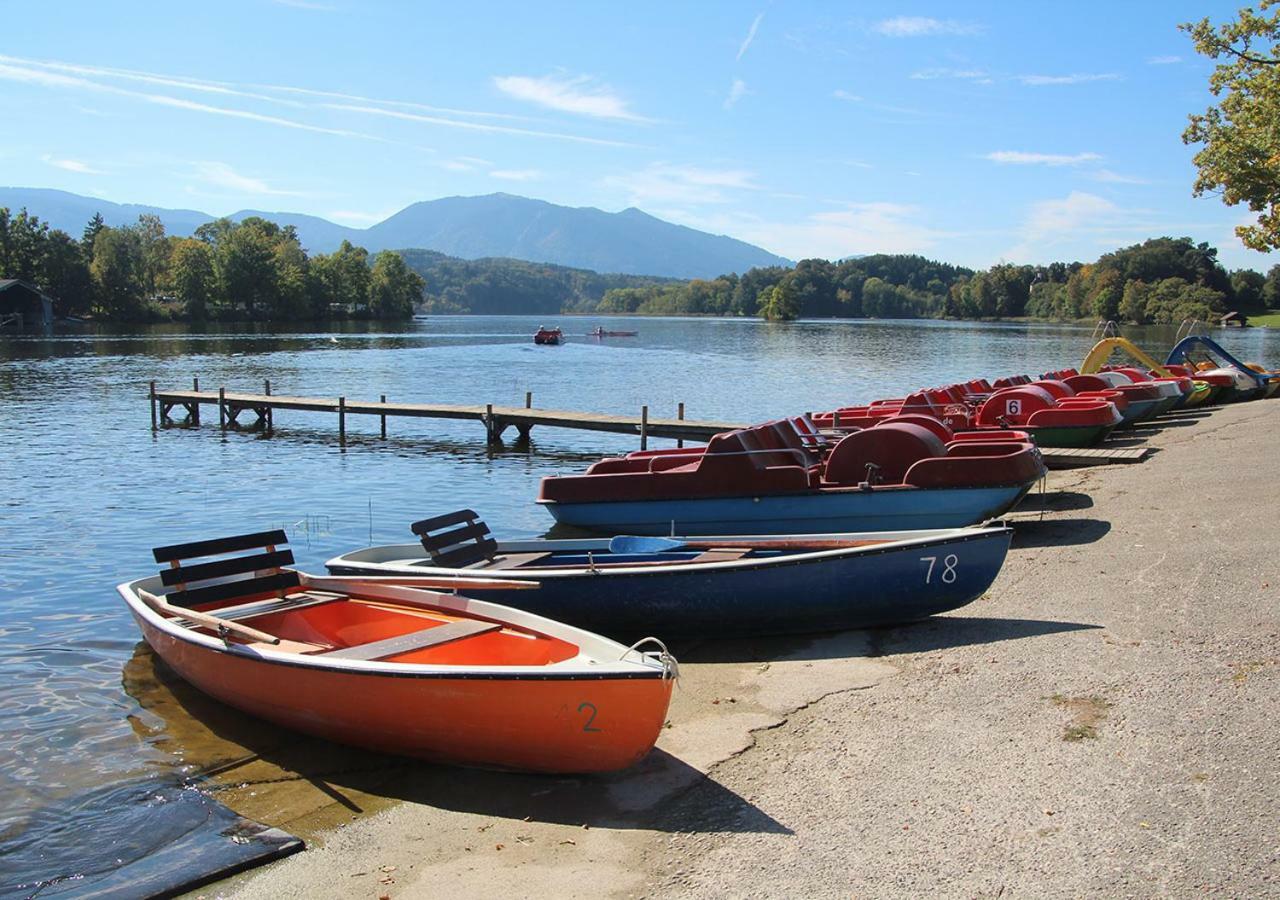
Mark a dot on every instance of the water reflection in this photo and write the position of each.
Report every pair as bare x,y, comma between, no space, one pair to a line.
89,488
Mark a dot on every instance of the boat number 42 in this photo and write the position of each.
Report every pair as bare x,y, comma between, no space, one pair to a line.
948,573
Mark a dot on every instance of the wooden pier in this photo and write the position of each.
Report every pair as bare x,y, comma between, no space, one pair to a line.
496,419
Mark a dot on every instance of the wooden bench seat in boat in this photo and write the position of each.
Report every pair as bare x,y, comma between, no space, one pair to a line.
510,561
415,640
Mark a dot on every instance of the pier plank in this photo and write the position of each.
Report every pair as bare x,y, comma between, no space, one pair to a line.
520,417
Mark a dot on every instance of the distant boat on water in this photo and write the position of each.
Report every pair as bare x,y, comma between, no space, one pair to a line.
602,333
548,336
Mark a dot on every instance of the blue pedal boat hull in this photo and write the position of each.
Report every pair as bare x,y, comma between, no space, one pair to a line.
879,509
903,578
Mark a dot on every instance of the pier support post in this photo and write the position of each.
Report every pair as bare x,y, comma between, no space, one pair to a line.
195,383
680,416
153,406
644,427
267,411
342,422
222,409
528,399
492,430
383,417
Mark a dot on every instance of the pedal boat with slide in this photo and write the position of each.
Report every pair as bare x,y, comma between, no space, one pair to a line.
396,665
768,479
630,586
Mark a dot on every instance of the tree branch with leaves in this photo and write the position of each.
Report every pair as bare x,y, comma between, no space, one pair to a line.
1240,156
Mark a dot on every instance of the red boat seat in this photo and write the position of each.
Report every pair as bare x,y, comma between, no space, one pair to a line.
979,464
929,423
1060,390
1012,407
892,447
734,463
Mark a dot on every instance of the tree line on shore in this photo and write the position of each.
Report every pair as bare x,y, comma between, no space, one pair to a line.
1162,280
229,271
258,270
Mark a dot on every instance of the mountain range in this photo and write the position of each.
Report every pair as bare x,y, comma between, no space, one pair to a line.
494,225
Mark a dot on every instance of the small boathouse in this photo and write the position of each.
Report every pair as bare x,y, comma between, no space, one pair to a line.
23,306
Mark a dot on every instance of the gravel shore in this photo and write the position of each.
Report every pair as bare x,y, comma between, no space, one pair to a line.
1105,721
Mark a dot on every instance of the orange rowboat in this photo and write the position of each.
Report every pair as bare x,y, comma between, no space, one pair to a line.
388,664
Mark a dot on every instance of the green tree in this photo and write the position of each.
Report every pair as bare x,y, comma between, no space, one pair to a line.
1240,136
244,260
65,274
22,245
1106,294
342,278
190,276
90,235
153,251
393,288
779,303
1246,289
1271,290
116,275
1133,304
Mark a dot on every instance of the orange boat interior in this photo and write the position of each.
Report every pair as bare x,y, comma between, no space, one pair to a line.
253,599
349,622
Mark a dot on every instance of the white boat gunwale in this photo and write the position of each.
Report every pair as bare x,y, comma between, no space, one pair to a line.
890,544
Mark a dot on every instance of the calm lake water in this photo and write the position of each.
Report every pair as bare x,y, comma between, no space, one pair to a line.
88,488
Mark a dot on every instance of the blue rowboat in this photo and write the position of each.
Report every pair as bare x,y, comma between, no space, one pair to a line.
722,586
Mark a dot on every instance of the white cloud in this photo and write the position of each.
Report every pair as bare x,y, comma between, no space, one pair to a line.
737,91
859,228
1055,222
959,74
1019,158
71,165
751,35
474,126
842,94
1163,60
516,174
221,175
923,26
43,78
96,79
358,219
662,183
1106,176
568,94
1078,78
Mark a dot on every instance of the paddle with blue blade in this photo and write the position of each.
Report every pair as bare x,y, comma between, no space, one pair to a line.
628,544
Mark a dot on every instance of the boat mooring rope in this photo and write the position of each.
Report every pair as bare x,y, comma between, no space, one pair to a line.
670,667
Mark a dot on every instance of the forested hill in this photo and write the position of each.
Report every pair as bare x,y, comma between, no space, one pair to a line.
513,286
489,226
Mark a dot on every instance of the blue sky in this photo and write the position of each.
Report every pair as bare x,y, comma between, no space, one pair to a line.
972,133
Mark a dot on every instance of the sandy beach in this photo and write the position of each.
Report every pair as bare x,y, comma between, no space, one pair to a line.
1103,722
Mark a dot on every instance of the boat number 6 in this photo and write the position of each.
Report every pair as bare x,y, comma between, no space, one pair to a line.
1013,407
948,574
591,717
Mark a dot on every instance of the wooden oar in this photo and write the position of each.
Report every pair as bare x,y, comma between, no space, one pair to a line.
629,544
223,626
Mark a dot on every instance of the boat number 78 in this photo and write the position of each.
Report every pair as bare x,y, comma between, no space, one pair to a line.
948,573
